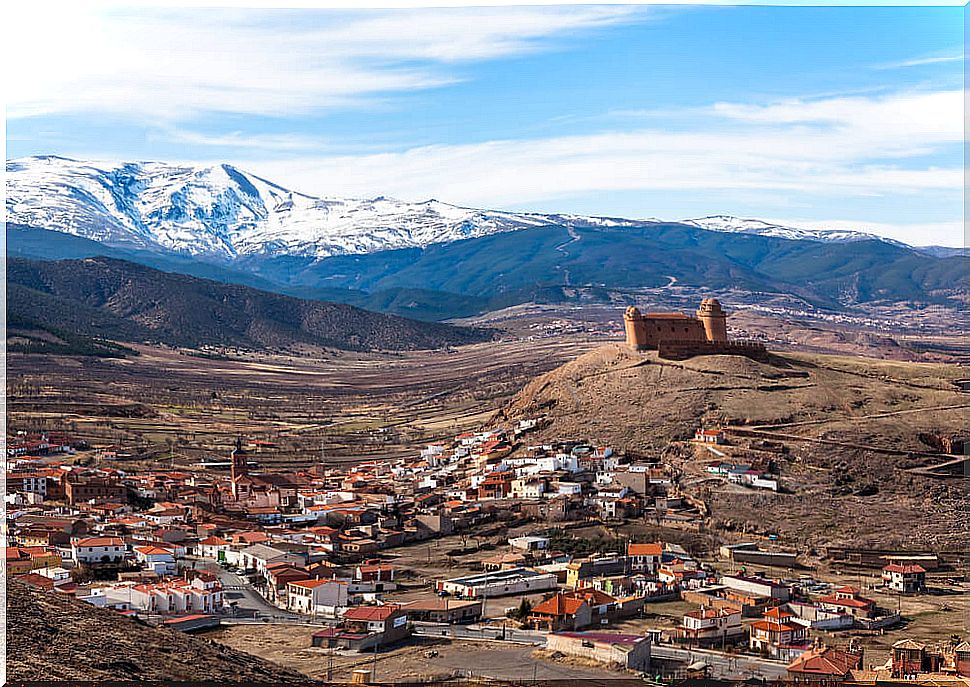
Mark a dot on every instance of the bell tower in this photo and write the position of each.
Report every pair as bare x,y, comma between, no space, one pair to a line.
239,464
714,319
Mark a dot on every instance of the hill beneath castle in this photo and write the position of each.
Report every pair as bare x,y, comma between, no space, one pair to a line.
857,431
53,638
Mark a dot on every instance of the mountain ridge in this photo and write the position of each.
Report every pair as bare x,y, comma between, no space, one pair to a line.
224,213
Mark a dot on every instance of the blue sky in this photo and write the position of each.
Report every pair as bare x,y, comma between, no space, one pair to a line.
822,117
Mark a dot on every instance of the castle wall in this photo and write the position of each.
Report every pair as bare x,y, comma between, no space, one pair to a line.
659,329
645,332
682,350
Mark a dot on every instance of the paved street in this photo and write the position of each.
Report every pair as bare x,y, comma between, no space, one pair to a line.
246,600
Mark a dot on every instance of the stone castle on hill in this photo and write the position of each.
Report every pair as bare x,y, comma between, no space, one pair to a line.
677,336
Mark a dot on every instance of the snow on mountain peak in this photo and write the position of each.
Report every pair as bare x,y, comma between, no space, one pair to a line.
737,225
223,212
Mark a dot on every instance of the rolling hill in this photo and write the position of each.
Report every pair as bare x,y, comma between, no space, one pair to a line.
107,298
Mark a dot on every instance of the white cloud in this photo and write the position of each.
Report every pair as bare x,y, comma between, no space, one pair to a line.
824,150
921,61
174,65
241,140
839,147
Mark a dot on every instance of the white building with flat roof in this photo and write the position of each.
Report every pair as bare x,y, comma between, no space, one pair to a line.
499,583
529,543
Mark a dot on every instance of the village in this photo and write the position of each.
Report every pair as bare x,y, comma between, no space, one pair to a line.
576,551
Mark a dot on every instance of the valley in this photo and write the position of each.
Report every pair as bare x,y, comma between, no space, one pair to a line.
183,409
180,407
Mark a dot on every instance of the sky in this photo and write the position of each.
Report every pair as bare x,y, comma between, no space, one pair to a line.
818,117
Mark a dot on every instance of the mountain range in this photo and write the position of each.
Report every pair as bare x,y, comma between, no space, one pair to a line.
224,212
431,260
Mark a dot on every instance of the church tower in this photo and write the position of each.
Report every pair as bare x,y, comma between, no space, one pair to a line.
714,319
239,459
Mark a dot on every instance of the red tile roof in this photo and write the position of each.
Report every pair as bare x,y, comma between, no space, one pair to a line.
559,605
371,613
826,661
153,551
101,541
644,549
854,602
311,584
904,569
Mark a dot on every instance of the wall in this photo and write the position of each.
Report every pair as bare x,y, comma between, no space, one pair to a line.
637,658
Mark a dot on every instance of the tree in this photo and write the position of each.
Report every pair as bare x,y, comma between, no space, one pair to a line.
523,611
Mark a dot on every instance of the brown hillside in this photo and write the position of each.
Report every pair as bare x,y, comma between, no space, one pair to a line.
122,301
54,638
842,492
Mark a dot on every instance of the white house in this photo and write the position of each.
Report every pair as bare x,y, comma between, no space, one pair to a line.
214,547
709,624
566,489
58,575
529,543
710,436
96,550
317,597
155,558
165,516
203,594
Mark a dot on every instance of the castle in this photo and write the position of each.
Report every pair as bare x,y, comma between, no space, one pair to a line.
678,336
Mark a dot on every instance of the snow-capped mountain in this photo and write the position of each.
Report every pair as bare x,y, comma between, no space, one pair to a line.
737,225
223,212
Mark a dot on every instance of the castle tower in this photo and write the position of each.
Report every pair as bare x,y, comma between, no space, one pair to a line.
636,328
714,319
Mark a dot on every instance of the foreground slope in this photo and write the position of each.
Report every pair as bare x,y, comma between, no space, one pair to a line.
50,637
122,301
878,415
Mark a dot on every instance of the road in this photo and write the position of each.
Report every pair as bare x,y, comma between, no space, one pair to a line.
241,595
573,238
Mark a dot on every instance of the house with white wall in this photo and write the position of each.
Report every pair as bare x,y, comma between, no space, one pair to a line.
327,598
99,550
157,559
